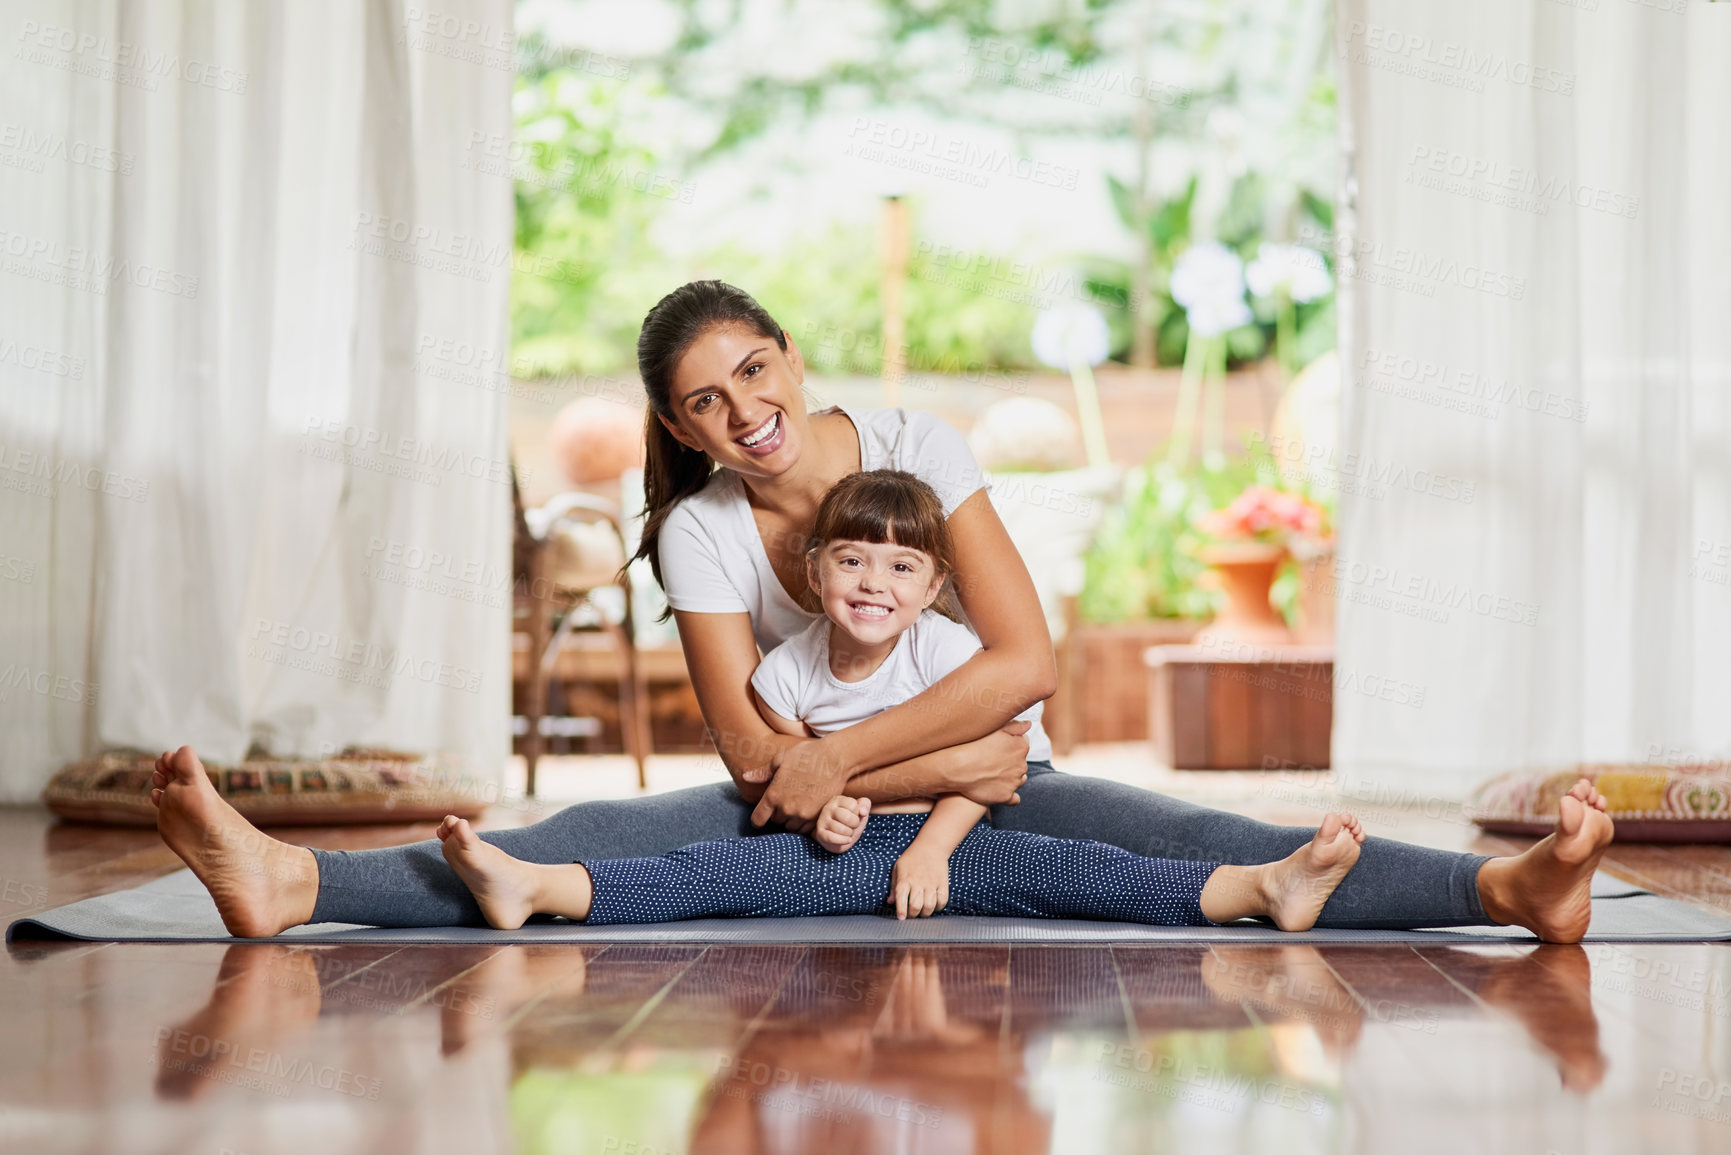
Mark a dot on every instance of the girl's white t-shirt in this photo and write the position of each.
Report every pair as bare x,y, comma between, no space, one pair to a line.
712,557
795,681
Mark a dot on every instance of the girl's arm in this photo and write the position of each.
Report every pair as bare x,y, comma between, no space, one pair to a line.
1014,670
721,653
920,883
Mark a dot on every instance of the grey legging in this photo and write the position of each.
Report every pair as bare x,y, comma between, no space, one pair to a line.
1394,885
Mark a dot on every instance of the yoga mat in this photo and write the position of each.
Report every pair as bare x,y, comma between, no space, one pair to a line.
176,908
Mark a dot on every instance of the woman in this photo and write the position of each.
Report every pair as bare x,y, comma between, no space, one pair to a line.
724,387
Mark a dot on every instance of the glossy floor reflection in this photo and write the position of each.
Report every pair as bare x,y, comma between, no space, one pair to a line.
647,1050
319,1050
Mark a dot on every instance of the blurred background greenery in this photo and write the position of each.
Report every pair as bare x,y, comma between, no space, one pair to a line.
1048,154
1173,119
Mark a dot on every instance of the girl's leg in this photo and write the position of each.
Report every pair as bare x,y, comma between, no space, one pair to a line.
1007,872
1394,885
1021,875
772,876
413,886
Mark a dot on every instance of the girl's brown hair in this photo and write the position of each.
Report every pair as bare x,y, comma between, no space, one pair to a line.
673,471
884,506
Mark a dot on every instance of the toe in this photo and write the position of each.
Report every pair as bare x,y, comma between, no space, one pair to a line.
156,797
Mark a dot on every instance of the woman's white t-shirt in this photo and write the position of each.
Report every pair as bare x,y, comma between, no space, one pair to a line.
795,681
712,557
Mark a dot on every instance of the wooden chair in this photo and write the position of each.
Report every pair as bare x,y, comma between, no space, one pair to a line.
556,598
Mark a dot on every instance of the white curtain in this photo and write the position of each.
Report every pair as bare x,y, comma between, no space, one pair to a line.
1535,248
253,475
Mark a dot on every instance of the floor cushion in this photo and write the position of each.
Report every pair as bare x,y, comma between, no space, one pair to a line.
356,786
1682,803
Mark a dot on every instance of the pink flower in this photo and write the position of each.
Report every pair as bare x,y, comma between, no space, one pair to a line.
1266,514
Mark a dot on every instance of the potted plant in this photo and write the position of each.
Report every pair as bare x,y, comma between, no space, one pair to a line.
1246,544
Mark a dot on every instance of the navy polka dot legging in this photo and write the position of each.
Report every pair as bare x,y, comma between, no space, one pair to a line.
992,872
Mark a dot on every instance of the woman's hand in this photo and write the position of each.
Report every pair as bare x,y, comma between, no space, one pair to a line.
920,883
841,823
990,770
803,777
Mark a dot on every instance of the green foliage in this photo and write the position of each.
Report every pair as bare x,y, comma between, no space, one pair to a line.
1143,561
960,317
586,196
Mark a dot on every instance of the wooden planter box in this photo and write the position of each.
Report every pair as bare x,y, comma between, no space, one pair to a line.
1209,711
1102,684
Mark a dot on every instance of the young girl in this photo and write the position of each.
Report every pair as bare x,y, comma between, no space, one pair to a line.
880,564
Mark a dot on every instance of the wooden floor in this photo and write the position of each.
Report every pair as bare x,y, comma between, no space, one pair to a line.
322,1050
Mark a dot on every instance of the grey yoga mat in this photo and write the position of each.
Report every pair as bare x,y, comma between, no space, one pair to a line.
176,908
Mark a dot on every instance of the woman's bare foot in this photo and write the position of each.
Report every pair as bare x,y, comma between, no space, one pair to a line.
1551,992
261,886
508,889
1548,889
263,995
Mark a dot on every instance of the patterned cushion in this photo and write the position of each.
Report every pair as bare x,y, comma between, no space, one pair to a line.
356,786
1684,803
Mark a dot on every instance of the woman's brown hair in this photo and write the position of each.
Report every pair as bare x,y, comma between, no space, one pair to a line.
884,506
673,471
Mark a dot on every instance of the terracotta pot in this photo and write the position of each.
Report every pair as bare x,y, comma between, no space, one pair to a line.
1246,572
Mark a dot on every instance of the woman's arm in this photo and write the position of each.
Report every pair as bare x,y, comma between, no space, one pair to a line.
1014,670
721,653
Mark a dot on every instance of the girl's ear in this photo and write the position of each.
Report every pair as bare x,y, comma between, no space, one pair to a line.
933,590
811,572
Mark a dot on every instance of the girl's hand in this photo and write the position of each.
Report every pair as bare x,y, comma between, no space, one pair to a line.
920,884
841,822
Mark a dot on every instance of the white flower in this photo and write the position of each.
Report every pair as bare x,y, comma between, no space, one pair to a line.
1209,282
1300,270
1069,333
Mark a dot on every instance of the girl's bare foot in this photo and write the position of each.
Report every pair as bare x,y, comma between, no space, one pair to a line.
261,886
1293,890
508,889
1548,889
1297,886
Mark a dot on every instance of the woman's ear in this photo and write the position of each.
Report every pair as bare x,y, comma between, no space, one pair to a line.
679,434
794,358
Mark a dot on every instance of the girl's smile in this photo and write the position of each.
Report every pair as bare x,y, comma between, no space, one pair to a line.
873,591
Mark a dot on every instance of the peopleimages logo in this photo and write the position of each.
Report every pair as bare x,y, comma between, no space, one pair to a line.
951,157
125,63
1447,61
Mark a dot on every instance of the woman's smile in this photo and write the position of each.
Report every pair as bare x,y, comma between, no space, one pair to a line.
766,438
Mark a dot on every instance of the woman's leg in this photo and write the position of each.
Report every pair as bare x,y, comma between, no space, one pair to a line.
1394,885
414,886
